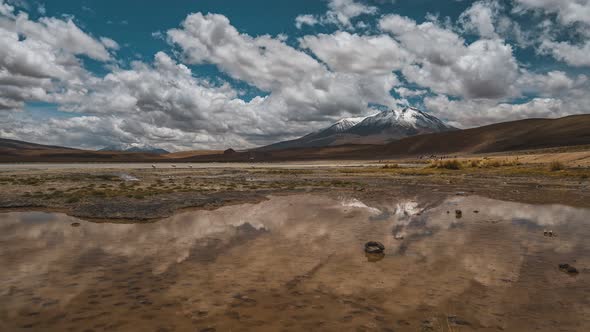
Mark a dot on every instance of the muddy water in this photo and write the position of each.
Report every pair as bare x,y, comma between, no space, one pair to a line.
297,263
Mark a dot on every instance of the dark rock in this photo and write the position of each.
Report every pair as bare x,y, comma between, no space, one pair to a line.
568,268
75,224
373,247
458,214
475,211
458,321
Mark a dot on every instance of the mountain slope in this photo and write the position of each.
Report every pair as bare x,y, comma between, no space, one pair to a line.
379,128
10,144
508,136
325,137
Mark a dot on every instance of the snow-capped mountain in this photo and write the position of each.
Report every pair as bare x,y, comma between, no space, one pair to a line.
343,125
380,128
398,124
134,147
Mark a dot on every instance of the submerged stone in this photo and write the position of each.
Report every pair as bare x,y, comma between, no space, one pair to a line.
75,224
568,268
373,247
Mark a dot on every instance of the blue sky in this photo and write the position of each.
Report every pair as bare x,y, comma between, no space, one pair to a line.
214,73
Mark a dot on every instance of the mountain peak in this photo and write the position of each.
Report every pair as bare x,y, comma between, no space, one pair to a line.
379,128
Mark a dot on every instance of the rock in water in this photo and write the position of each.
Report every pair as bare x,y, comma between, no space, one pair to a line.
568,268
458,214
572,270
75,224
373,247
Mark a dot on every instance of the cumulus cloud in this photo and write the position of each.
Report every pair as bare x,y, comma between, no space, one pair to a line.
305,85
573,55
568,12
570,16
301,87
473,113
340,13
306,19
445,63
346,52
39,59
480,18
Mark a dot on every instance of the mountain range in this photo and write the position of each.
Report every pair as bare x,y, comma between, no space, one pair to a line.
521,135
380,128
134,147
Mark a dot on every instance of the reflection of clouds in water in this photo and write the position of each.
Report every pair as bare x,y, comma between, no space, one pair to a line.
405,209
357,204
304,231
168,241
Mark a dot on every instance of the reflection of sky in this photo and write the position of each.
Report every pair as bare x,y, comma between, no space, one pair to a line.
298,233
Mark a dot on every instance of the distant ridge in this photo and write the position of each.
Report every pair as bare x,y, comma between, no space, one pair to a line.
134,148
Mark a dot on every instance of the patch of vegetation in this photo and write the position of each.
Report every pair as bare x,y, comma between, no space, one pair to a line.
390,166
280,171
555,166
447,164
73,200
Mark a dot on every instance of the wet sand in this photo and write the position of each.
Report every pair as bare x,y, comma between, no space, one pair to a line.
296,262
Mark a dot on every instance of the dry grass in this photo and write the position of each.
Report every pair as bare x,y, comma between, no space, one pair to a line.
555,166
447,164
390,166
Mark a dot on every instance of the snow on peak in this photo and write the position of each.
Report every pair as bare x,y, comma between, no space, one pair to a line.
344,124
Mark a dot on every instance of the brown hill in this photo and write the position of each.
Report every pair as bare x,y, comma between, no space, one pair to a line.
19,151
508,136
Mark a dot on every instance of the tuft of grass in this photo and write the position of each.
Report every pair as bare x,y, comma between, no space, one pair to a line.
447,164
555,166
73,200
390,166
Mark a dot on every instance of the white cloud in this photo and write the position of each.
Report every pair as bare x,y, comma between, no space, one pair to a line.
109,43
299,85
38,59
473,113
342,11
445,64
567,11
346,52
552,84
480,18
573,55
60,34
307,19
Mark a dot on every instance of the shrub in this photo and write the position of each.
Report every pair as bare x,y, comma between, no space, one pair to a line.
555,166
447,164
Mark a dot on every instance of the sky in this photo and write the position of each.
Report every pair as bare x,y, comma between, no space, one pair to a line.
217,74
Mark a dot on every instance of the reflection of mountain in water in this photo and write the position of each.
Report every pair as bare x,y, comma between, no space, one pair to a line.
203,258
